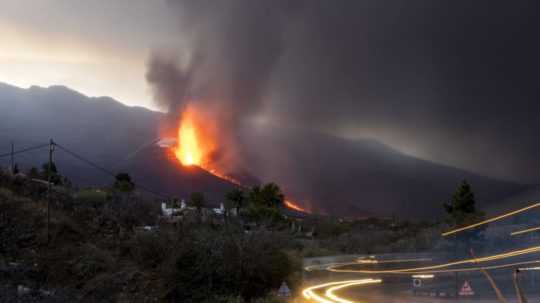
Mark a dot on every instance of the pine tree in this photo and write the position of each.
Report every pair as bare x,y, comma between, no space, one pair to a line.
462,208
462,211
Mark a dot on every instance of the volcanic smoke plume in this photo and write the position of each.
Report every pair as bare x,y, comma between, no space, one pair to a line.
223,73
440,80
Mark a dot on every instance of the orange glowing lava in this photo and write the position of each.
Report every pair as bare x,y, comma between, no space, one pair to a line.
295,206
188,151
197,142
194,143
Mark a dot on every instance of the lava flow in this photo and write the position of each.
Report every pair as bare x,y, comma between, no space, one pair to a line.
196,147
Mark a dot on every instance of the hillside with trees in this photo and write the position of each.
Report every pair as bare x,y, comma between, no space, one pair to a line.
112,244
109,245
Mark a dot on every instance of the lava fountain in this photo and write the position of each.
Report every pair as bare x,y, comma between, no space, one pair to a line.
197,145
194,147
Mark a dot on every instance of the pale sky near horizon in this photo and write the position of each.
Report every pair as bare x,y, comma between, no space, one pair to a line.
99,48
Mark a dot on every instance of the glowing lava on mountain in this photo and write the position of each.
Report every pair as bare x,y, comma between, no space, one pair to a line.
197,145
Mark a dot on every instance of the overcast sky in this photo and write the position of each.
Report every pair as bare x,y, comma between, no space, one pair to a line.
97,47
450,81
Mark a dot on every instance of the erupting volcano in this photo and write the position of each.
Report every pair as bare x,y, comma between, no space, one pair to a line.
188,151
194,144
197,145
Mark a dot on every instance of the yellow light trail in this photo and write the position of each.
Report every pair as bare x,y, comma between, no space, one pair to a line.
363,261
309,292
423,276
506,215
330,291
524,231
478,268
323,266
445,265
372,261
331,297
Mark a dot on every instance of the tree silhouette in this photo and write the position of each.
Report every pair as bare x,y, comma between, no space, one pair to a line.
269,195
462,211
235,198
123,183
56,179
197,200
33,173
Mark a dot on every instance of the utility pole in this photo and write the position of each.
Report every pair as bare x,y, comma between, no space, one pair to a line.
519,290
456,243
49,188
12,163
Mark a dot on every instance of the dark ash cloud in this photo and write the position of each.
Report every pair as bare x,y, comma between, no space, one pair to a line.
454,82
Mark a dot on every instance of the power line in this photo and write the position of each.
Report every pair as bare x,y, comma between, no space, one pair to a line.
106,171
24,150
83,159
29,156
80,158
137,150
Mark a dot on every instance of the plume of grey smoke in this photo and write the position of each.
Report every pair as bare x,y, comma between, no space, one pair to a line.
231,51
430,78
171,84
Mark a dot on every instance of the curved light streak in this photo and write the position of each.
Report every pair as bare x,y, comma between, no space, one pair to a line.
432,268
362,261
309,292
506,215
330,291
374,261
325,266
477,268
329,297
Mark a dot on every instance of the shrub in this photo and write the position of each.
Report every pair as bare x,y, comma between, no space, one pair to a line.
150,249
91,262
91,197
20,225
208,263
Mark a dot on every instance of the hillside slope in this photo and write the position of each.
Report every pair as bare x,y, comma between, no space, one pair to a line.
327,174
365,177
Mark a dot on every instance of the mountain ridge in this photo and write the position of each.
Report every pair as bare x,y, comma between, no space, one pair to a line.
328,174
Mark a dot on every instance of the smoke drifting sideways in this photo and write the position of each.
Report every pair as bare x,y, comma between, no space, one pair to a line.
449,82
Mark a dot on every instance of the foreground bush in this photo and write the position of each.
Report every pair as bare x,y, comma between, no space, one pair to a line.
98,253
209,264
